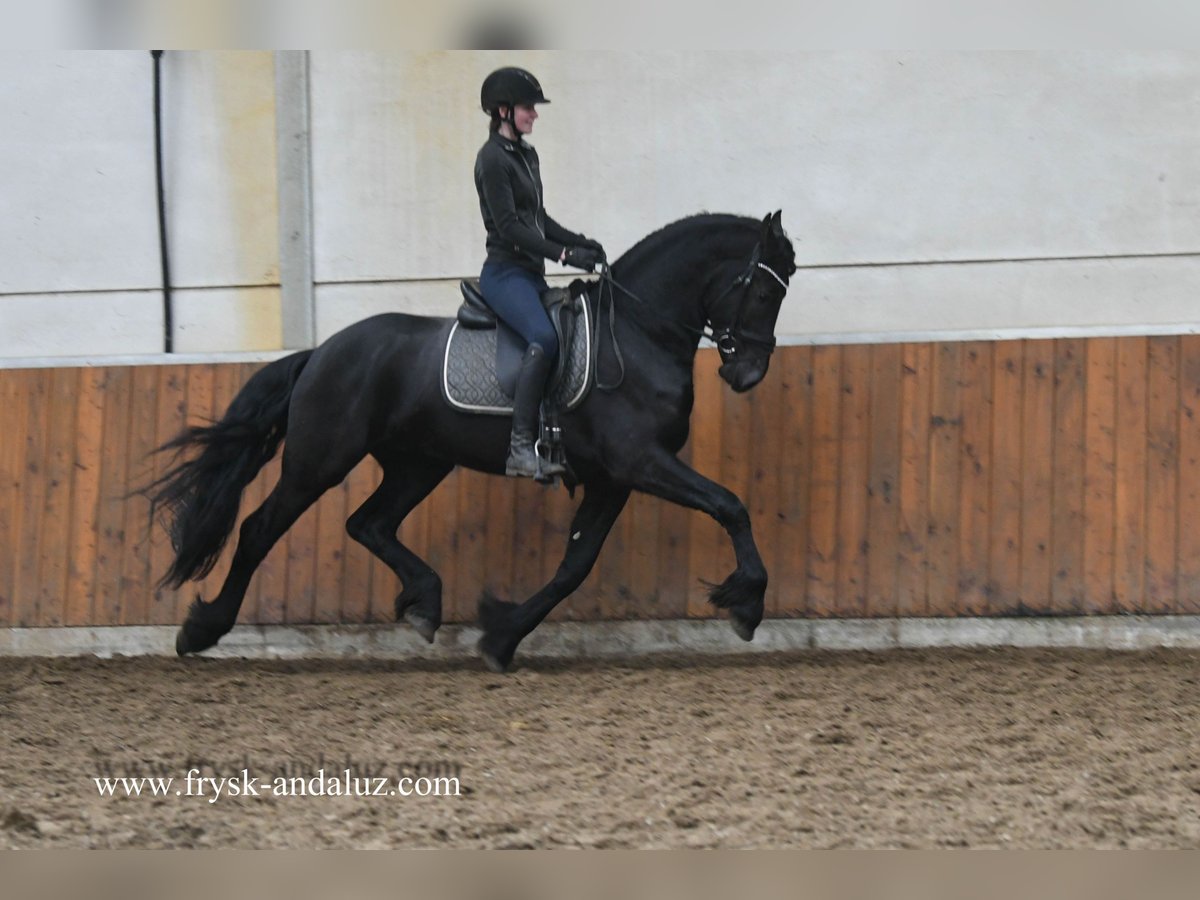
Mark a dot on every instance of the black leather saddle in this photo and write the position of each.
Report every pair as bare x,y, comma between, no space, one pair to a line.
563,306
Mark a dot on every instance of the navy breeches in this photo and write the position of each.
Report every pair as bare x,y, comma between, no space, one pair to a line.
515,294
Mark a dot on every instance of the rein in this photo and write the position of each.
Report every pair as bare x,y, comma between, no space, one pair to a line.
728,341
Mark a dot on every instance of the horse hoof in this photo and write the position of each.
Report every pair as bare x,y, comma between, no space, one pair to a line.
423,626
420,605
744,630
185,643
494,665
496,661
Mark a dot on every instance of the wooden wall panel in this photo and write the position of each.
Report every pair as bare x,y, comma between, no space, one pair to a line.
1021,477
709,554
136,578
32,497
1099,474
822,550
114,484
912,563
12,403
791,485
883,488
501,498
1188,586
1004,556
853,475
56,503
1129,478
1068,546
1162,474
945,497
975,478
171,417
1037,481
85,501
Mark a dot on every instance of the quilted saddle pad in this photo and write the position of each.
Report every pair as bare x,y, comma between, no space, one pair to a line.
469,370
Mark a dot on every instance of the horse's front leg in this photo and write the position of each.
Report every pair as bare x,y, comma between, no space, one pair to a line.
743,591
506,624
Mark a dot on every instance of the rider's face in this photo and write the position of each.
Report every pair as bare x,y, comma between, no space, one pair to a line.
524,115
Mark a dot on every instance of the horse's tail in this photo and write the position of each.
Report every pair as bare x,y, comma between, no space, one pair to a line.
200,497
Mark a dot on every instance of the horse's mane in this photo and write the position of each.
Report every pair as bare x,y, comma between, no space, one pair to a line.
701,224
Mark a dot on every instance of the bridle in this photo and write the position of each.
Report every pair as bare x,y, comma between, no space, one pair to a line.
729,339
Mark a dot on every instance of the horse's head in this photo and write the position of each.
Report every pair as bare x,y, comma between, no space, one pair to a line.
743,316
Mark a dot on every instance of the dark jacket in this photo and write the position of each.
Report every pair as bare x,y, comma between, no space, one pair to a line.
509,182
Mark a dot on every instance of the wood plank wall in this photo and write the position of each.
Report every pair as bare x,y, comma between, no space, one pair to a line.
1017,477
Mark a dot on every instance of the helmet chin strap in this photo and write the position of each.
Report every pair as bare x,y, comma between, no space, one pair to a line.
511,121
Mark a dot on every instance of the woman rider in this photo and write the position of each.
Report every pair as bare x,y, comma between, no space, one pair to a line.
520,237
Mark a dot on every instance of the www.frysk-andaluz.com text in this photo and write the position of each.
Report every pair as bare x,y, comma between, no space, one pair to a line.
201,779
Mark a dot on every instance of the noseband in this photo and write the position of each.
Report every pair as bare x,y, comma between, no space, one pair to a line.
731,337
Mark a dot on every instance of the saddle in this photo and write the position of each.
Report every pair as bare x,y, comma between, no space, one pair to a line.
483,355
476,315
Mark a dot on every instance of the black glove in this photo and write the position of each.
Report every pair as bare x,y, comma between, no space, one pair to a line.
583,258
593,245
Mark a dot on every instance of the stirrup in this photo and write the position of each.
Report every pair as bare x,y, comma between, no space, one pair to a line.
548,469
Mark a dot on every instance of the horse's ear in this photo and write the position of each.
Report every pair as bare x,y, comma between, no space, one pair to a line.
772,224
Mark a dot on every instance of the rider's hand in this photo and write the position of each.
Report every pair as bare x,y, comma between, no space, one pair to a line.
594,245
583,258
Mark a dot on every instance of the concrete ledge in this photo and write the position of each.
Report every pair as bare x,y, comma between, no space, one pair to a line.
620,640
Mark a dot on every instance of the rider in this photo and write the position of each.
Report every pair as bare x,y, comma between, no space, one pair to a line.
520,237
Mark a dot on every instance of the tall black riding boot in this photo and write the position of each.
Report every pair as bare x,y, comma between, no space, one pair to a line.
531,384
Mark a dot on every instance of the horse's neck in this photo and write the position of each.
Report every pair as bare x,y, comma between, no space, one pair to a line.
667,298
679,267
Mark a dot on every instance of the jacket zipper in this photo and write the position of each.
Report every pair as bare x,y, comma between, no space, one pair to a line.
536,224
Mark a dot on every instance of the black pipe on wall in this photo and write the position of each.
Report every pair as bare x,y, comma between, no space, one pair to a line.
168,318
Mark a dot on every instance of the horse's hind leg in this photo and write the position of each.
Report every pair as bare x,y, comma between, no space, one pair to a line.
206,623
406,482
310,468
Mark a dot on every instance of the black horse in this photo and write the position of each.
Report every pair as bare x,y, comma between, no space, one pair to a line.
374,388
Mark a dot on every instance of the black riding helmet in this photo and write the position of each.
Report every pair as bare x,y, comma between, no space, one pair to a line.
509,87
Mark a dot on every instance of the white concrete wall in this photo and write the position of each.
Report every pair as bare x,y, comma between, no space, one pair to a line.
927,193
79,251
